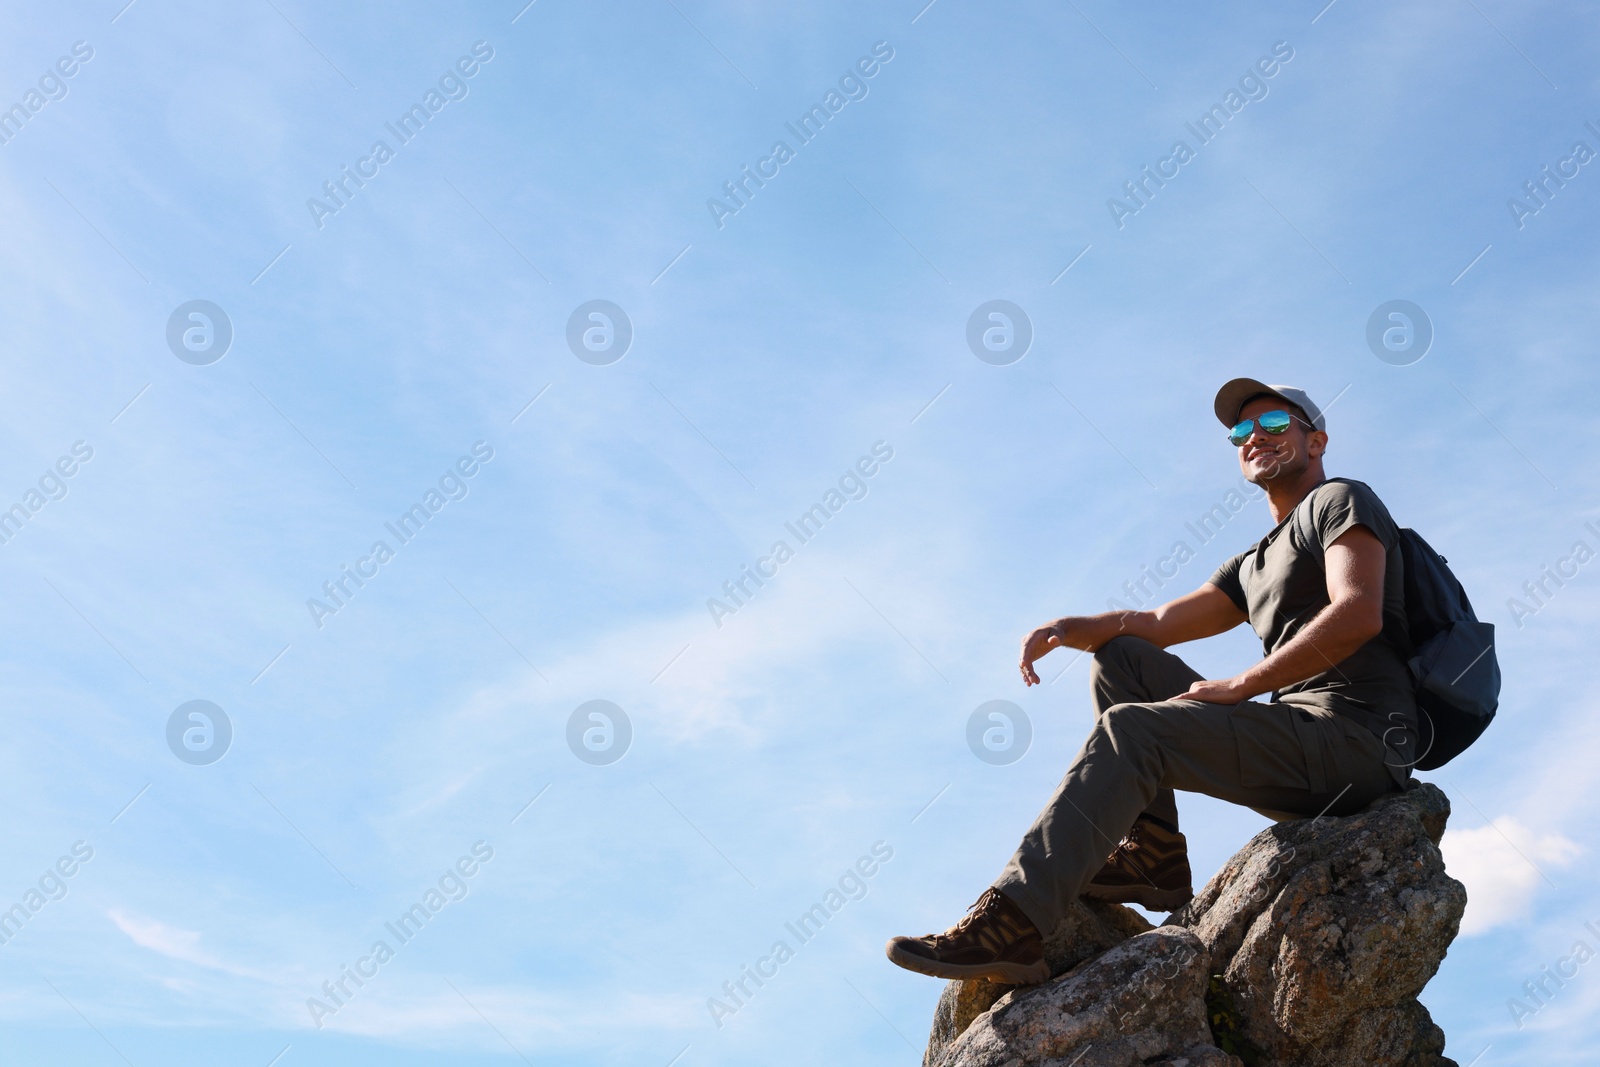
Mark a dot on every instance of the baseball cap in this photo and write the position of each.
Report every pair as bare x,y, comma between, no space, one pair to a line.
1231,397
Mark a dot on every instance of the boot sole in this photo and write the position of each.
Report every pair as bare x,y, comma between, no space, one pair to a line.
1146,896
1003,973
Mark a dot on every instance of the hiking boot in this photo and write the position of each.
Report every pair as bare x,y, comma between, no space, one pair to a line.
1149,867
995,940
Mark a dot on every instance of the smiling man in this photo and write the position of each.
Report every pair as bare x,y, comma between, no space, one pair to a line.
1334,732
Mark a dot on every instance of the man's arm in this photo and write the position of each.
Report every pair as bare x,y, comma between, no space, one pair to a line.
1354,616
1202,613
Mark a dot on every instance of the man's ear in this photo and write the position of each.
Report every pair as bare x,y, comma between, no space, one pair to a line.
1316,443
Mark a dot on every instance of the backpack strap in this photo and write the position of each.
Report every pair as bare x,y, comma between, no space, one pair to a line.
1300,526
1394,630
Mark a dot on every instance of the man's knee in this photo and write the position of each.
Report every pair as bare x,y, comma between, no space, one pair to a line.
1118,652
1122,645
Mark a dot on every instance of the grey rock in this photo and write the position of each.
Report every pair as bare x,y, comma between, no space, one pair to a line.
1141,1002
1089,928
1325,930
1322,931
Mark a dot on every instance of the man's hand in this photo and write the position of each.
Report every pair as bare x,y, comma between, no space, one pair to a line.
1035,645
1206,611
1228,691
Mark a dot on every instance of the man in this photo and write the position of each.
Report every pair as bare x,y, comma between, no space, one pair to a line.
1336,732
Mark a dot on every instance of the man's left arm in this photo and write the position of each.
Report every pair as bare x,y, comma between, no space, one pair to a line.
1354,563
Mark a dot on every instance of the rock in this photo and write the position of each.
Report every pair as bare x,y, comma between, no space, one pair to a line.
1307,949
1141,1002
1325,930
1090,928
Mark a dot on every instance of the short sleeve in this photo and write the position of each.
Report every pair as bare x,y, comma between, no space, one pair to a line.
1340,505
1226,578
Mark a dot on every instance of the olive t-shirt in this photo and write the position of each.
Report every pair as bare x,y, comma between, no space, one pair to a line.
1281,583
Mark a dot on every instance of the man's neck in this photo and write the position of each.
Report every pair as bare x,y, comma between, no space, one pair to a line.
1284,493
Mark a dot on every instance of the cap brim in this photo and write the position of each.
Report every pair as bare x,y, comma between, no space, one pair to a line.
1231,397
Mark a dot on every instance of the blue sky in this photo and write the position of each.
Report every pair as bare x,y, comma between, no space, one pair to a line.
375,345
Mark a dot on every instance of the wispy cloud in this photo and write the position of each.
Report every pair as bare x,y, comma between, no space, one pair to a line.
1500,864
179,944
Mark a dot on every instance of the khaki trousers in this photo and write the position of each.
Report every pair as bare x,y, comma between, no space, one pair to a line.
1283,760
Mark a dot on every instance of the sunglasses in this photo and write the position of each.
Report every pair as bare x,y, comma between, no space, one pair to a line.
1273,422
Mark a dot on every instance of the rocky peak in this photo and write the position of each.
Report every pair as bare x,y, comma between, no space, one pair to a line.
1307,949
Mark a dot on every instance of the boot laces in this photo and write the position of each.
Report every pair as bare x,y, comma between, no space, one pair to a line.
981,909
982,922
1129,844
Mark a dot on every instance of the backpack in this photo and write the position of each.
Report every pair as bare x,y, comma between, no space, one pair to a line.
1449,650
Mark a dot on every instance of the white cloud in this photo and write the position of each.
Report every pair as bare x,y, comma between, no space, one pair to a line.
1500,864
177,944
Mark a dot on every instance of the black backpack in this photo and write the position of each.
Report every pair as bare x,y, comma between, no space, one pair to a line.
1450,652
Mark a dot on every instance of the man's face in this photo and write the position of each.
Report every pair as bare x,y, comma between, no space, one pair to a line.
1266,457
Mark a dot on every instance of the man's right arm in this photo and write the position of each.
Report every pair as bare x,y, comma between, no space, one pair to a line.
1202,613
